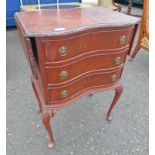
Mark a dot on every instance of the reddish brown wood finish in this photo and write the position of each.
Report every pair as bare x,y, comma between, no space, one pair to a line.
86,43
85,65
46,117
45,22
144,31
97,42
90,81
37,96
118,92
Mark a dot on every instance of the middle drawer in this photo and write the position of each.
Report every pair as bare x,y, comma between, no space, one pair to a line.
61,73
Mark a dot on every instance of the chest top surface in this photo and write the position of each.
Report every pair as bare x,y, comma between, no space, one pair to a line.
57,22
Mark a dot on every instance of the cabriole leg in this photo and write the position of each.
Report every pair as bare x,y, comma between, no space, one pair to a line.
135,52
46,117
118,92
37,96
138,46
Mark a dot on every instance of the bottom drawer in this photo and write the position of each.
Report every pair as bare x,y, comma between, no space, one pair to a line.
90,81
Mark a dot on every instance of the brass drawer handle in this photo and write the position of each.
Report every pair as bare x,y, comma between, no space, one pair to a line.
63,74
64,93
63,51
117,60
113,78
122,40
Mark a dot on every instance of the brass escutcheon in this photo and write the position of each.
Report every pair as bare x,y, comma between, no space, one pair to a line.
117,60
63,74
63,51
113,77
122,40
64,93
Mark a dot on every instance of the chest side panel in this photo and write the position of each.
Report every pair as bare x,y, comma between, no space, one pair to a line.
28,47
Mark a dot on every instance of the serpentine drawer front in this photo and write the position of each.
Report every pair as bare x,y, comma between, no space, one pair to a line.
59,50
89,81
74,52
63,72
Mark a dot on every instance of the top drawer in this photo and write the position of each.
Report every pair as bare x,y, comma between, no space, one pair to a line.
60,50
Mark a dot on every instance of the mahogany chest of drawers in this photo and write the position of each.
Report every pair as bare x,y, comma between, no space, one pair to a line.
74,52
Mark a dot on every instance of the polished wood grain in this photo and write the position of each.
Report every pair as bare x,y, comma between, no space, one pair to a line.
73,53
85,65
60,22
90,81
84,43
